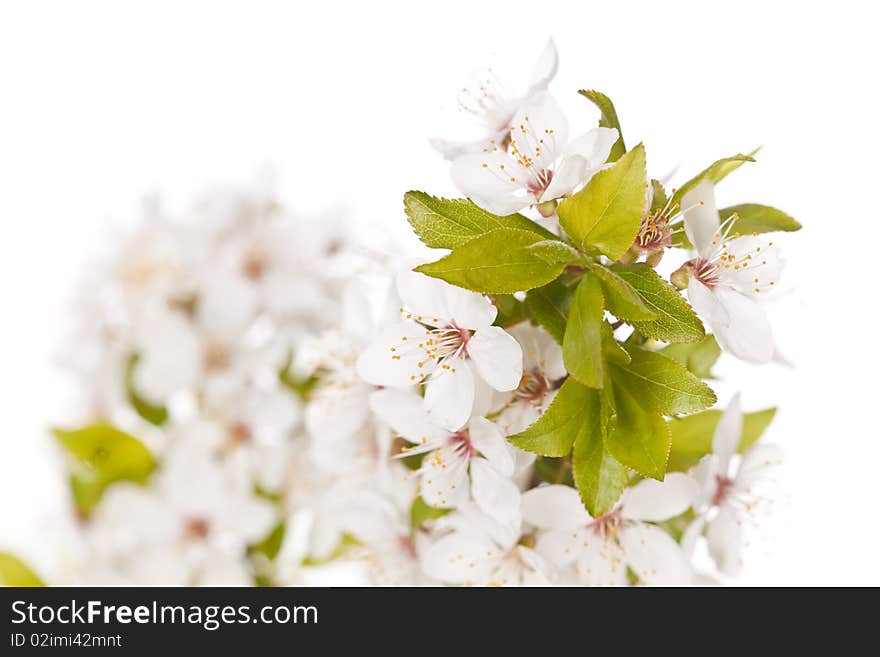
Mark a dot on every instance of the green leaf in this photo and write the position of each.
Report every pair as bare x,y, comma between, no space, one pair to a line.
498,262
640,438
270,546
554,251
659,197
582,343
755,218
14,572
555,431
662,384
553,470
692,435
449,223
598,476
302,388
676,321
102,455
621,298
607,120
153,413
420,512
607,212
548,306
715,172
612,350
698,357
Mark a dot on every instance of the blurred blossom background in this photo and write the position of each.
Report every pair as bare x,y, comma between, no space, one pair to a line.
254,155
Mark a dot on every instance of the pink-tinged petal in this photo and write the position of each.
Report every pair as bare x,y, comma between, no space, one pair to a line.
461,559
545,68
394,357
404,412
554,507
701,220
655,558
749,336
424,298
495,495
449,394
725,538
488,440
494,181
600,561
444,478
707,304
653,500
728,433
468,310
497,357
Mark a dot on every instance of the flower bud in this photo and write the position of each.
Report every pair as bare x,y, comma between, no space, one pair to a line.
547,208
682,276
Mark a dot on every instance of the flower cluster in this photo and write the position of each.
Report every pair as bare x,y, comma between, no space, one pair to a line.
266,405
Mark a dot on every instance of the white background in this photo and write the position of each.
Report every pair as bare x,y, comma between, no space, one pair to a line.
101,102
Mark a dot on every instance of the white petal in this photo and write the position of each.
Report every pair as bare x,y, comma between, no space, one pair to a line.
758,463
594,146
449,394
545,68
559,546
444,478
227,303
570,172
497,357
487,438
748,336
654,500
728,433
600,561
554,507
469,310
761,265
337,412
654,556
460,559
706,304
404,412
499,187
691,534
725,540
393,358
701,221
496,495
706,474
539,131
424,297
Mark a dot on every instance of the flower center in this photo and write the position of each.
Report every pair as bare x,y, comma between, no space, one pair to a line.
722,490
238,433
539,184
607,525
461,443
254,266
654,232
706,272
196,528
408,545
533,387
